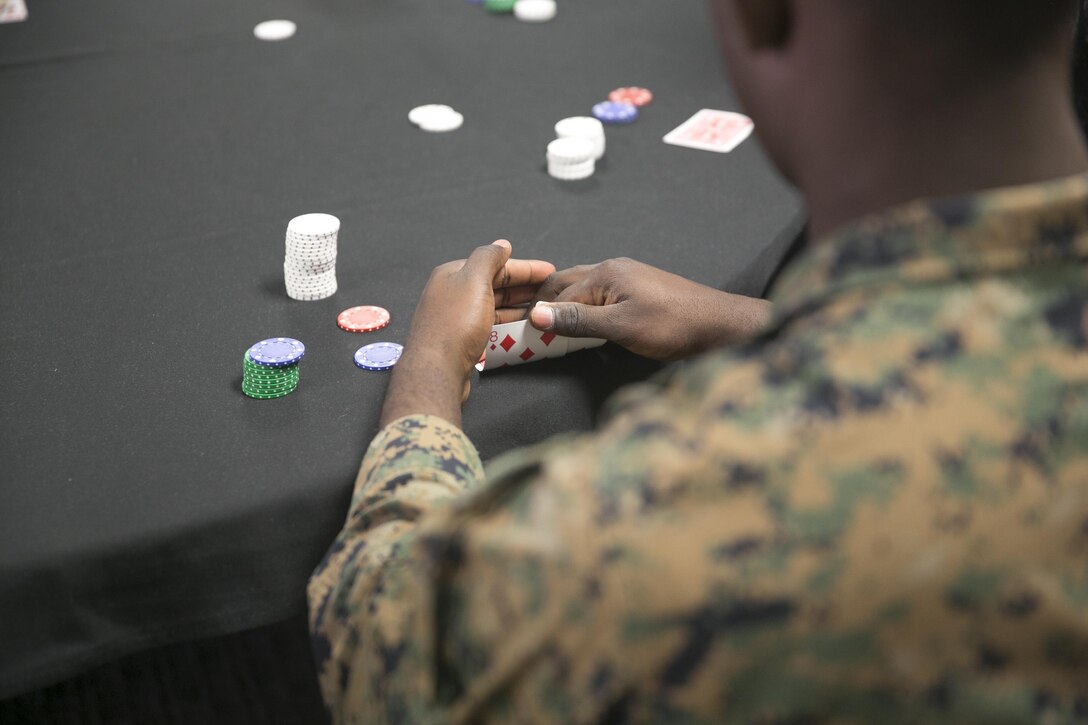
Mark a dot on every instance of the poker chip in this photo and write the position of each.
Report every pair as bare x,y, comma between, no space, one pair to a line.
378,355
418,114
442,123
365,318
499,6
264,381
614,113
309,263
436,118
632,94
534,11
584,127
277,352
273,30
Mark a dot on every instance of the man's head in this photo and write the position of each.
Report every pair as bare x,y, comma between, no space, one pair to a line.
791,59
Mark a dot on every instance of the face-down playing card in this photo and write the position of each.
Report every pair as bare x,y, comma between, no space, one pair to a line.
710,130
517,343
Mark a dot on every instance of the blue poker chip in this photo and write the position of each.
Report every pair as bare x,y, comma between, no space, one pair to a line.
378,355
277,352
614,112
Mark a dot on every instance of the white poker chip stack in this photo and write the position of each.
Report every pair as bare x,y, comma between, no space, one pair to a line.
585,127
570,159
309,266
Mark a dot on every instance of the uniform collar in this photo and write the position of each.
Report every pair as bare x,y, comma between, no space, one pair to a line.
928,241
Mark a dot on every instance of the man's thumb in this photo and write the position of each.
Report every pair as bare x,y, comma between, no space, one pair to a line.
571,319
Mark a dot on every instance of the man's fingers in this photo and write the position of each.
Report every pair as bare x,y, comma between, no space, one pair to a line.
510,314
510,296
555,284
573,319
487,261
520,272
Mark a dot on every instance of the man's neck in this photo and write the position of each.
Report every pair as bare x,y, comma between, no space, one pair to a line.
1020,130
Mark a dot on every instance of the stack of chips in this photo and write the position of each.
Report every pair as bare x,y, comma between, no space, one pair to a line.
570,159
585,127
622,105
270,368
529,11
309,267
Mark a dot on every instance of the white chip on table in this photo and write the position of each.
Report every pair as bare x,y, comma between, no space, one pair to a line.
275,30
534,11
420,113
441,123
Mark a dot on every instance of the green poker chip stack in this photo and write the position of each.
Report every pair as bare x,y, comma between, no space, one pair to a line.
264,382
499,6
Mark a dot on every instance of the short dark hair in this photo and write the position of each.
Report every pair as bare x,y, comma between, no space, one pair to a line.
1080,66
992,30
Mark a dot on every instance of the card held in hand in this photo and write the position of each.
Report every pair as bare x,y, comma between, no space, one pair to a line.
710,130
517,343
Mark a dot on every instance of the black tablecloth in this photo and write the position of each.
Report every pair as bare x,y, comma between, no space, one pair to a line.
151,155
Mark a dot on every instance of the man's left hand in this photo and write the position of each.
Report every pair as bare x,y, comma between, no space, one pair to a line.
461,302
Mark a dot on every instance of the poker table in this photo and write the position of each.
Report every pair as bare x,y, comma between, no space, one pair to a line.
151,155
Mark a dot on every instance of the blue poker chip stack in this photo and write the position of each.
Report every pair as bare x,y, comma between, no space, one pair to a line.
378,355
615,113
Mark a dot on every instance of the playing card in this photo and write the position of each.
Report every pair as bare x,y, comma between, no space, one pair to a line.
710,130
517,343
12,11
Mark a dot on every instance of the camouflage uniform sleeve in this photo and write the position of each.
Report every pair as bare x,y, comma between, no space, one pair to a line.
414,465
538,595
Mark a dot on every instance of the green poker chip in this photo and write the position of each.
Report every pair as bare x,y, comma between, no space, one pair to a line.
269,383
269,378
266,396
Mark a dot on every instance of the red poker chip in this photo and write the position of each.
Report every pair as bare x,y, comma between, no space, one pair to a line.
632,94
366,318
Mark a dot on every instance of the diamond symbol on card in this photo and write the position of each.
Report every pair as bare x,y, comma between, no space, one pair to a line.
508,342
547,338
527,354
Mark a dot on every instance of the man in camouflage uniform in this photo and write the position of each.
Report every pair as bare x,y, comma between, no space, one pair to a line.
875,510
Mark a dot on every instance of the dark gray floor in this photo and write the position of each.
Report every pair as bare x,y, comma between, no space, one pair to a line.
264,677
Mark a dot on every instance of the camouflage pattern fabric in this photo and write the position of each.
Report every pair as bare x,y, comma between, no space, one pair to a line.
875,513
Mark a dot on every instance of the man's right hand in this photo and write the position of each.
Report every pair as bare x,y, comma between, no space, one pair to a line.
648,311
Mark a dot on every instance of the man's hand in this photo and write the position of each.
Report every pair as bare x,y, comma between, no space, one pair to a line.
646,310
461,302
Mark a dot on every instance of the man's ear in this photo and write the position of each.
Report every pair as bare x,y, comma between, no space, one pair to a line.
766,23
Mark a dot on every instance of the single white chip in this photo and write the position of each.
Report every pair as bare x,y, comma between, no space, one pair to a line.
534,11
420,113
570,151
314,225
585,127
441,123
579,127
275,30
